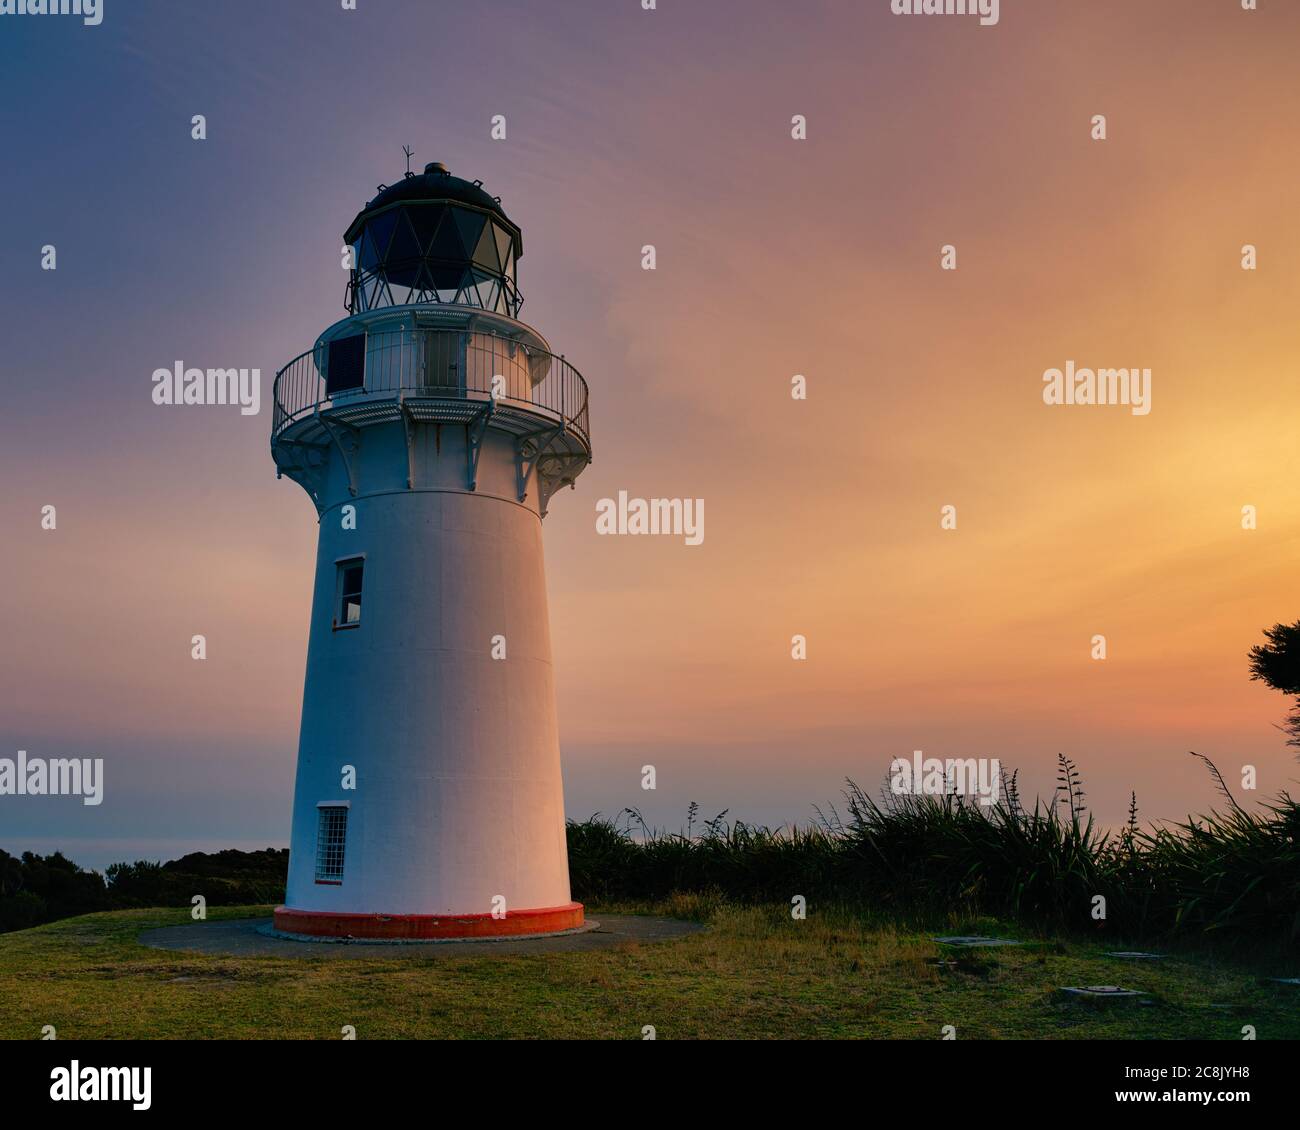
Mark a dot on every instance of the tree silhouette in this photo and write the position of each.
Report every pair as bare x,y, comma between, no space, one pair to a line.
1277,664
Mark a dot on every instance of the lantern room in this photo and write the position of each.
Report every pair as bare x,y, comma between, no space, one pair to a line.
434,239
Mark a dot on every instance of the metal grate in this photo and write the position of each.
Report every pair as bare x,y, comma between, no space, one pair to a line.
331,839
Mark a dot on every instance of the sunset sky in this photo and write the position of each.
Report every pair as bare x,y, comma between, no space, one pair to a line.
775,257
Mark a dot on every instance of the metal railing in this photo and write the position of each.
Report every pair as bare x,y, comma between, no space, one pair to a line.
436,364
373,289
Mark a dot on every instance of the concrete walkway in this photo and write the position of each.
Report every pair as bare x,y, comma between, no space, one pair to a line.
251,937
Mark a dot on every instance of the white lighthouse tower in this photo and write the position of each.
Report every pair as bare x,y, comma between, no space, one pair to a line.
430,428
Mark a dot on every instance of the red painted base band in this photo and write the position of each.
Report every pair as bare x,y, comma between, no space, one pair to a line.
327,924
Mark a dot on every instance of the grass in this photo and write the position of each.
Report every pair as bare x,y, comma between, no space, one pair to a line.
756,973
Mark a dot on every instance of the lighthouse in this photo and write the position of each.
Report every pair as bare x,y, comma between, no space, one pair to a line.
431,429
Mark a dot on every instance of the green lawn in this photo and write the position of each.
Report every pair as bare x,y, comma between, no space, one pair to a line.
754,974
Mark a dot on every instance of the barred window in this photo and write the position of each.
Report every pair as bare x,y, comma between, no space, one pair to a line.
331,838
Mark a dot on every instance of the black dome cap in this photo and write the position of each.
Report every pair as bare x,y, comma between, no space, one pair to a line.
435,184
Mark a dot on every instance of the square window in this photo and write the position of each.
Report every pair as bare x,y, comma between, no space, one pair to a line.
345,366
348,593
331,840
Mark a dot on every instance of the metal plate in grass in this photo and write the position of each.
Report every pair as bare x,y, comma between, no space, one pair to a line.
1136,955
1100,993
973,941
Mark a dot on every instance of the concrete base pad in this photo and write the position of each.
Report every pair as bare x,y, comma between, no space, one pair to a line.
256,937
329,925
271,931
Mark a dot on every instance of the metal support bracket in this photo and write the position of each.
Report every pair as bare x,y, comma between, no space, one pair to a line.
475,429
353,435
528,450
554,472
408,431
299,465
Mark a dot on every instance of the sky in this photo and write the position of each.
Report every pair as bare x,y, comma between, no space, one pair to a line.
774,256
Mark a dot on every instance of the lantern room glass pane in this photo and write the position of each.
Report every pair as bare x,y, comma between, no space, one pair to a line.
470,226
364,255
425,219
446,243
485,254
444,276
505,245
381,231
404,246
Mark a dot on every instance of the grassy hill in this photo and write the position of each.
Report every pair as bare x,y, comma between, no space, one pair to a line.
756,973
